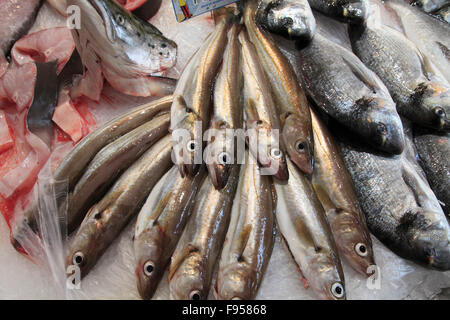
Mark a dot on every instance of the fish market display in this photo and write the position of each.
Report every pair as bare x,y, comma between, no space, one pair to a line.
434,157
334,188
290,18
192,264
296,131
352,11
160,224
249,241
403,69
302,222
346,90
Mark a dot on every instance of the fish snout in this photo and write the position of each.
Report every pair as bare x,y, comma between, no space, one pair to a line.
235,283
355,12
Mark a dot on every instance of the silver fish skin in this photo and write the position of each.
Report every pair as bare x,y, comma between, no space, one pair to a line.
159,226
193,261
433,149
302,222
109,163
73,165
292,19
350,11
345,89
289,96
123,42
249,241
334,188
402,68
401,210
430,5
227,114
193,119
261,113
109,216
431,36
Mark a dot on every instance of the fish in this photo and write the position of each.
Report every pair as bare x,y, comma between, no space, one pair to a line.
106,219
296,131
227,115
400,208
17,18
433,149
73,165
126,50
404,71
349,11
292,19
346,90
262,115
160,224
107,165
193,260
334,189
192,109
444,14
430,5
249,241
431,36
302,222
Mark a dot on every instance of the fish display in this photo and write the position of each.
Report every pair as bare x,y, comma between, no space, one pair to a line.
404,71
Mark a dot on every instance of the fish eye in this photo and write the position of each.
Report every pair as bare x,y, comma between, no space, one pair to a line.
194,295
78,258
223,158
276,153
337,290
381,128
163,45
300,146
439,112
149,267
191,146
361,249
120,19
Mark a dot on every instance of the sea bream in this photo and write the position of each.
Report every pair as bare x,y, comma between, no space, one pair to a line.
349,92
401,210
106,219
124,49
249,242
351,11
407,73
261,114
160,224
290,99
292,19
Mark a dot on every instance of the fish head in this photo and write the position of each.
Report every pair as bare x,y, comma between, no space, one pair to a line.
328,283
187,281
236,282
432,102
291,19
219,155
380,124
140,45
187,139
264,144
150,266
297,139
427,237
355,11
354,241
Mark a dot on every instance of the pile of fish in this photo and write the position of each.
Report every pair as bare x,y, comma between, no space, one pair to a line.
317,124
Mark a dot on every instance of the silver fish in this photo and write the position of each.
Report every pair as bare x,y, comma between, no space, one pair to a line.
108,217
159,226
250,237
302,222
199,247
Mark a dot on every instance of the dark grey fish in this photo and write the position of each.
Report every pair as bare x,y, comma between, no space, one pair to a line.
434,157
401,209
404,70
349,92
430,5
352,11
290,18
444,13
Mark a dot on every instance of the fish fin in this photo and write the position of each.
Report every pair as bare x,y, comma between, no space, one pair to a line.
160,208
417,185
363,75
251,112
285,244
176,263
242,242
